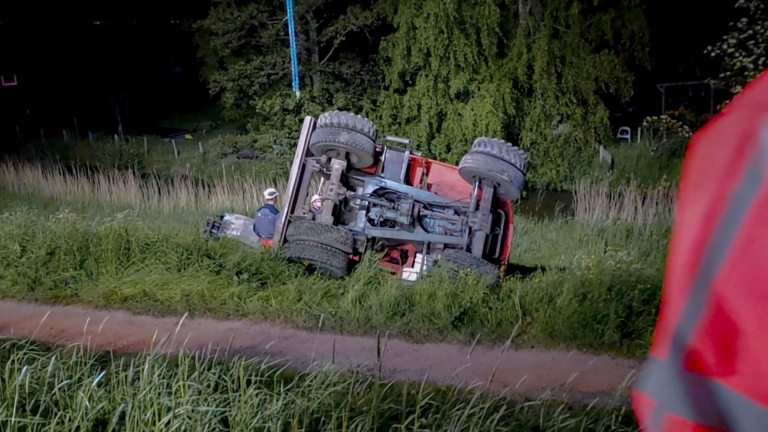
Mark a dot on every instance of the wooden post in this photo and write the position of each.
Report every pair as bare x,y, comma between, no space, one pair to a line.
224,168
639,128
175,150
145,146
200,144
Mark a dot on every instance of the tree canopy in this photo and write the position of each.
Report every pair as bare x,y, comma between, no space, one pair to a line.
534,72
530,71
245,49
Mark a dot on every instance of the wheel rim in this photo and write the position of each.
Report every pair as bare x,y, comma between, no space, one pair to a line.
356,158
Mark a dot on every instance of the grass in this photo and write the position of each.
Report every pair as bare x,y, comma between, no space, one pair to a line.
598,202
174,193
73,388
159,159
649,163
574,284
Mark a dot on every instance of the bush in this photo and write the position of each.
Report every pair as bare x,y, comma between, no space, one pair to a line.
226,145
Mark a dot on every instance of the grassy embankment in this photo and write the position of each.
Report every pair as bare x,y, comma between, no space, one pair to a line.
113,240
44,388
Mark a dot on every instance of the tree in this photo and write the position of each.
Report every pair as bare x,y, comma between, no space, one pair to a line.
529,71
245,49
745,49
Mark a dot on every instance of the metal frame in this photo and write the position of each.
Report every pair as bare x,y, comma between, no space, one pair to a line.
473,225
297,169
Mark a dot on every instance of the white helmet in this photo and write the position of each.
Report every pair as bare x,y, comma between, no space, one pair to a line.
270,193
315,198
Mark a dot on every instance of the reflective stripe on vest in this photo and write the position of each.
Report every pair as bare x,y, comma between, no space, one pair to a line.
692,396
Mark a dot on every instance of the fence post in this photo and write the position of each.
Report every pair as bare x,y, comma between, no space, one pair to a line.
639,128
200,144
175,150
145,146
224,168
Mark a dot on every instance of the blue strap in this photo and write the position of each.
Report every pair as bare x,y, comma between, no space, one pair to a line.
294,60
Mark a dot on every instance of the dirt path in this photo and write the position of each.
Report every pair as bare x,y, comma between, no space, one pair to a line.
527,371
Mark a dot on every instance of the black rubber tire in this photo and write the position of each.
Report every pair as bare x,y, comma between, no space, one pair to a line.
323,258
361,150
329,235
347,120
507,179
502,150
207,226
460,260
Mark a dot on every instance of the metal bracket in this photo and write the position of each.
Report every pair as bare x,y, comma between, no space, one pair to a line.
333,190
483,217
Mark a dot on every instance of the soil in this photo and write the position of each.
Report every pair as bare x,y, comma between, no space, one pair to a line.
524,371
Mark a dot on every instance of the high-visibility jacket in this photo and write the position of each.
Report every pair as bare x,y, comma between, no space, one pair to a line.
708,364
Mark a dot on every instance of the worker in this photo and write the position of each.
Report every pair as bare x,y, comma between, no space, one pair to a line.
266,218
707,367
317,205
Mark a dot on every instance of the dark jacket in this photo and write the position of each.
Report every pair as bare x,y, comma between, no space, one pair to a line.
264,222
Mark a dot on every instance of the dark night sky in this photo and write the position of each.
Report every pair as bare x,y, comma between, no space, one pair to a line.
56,50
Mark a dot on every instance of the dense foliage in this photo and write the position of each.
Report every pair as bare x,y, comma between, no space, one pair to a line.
532,72
745,49
245,48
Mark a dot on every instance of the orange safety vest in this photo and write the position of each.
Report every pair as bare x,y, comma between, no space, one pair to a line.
708,364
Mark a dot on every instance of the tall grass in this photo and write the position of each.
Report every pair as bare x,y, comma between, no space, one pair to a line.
76,389
179,192
597,201
586,286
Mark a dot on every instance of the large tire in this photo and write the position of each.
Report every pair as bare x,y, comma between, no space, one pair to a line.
323,258
502,150
347,120
343,131
498,162
460,260
329,235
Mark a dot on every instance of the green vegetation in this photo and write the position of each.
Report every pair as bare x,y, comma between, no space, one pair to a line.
744,50
647,163
76,389
245,48
273,158
110,240
531,73
534,73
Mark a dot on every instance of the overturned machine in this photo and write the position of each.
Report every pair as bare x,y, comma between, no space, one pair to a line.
388,198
